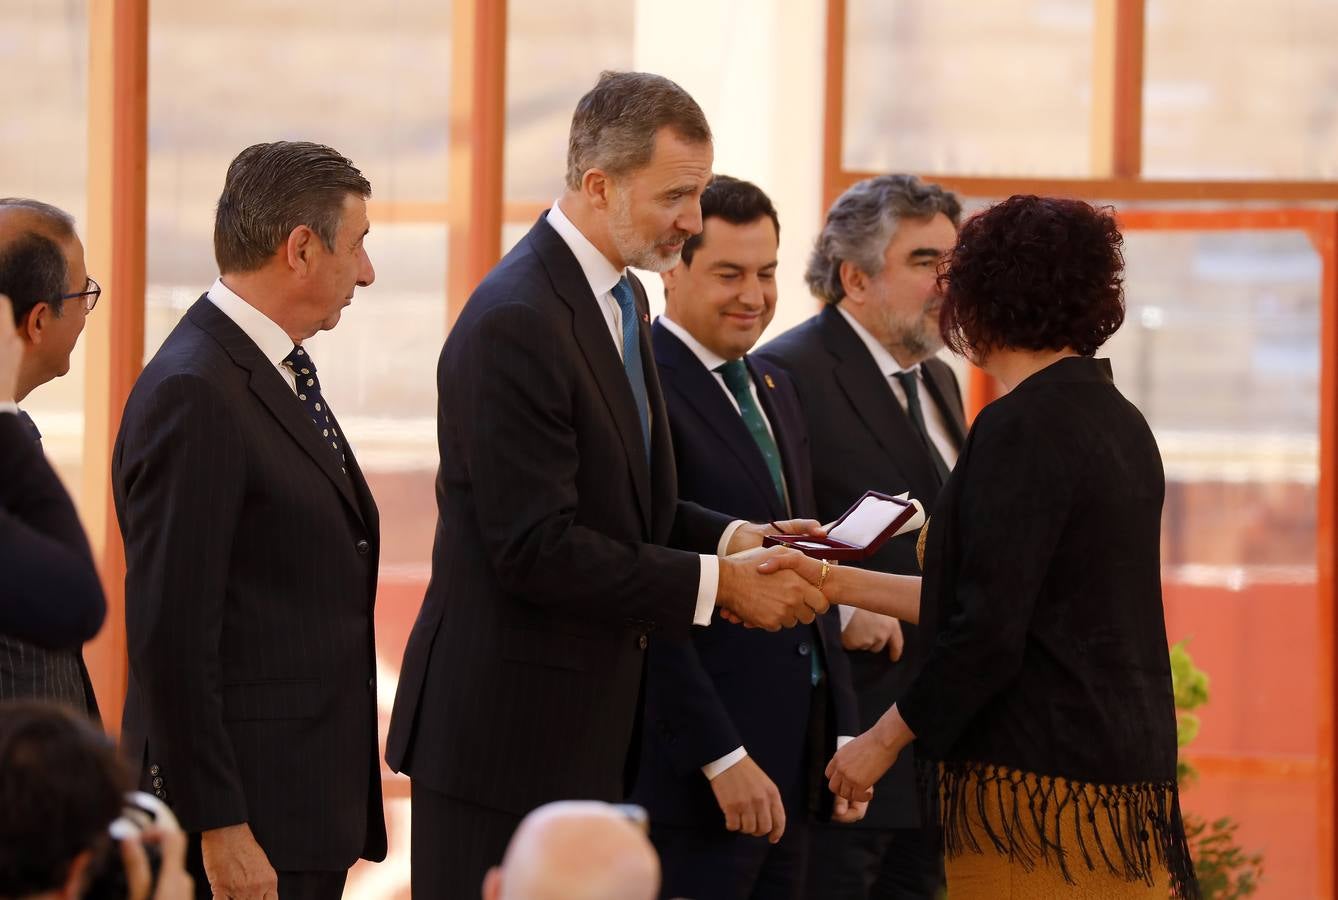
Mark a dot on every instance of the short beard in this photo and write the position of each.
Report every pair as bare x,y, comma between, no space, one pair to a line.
630,247
911,338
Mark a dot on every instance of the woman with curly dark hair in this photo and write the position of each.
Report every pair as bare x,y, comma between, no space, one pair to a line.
1045,701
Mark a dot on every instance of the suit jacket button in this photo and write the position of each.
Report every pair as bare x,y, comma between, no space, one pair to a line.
371,682
803,648
157,783
363,546
642,642
154,770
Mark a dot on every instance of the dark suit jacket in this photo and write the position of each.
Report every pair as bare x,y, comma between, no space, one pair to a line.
50,595
521,679
729,686
251,565
861,440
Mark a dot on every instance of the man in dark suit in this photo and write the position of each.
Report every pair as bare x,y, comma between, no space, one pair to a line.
42,271
50,596
882,413
738,722
552,569
251,548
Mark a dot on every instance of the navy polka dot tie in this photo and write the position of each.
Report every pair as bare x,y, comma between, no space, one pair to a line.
309,392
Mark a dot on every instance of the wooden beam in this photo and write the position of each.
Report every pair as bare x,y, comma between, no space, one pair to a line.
478,138
1122,188
114,337
834,104
1325,240
1117,89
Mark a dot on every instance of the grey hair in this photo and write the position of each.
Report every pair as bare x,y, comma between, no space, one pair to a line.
60,223
271,189
615,123
863,220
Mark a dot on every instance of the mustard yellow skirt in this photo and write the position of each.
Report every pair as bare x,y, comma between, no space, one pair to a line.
978,870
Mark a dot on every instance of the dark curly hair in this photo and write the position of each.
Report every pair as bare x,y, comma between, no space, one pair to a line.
1034,273
735,201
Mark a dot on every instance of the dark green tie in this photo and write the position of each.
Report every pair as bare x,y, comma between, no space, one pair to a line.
735,373
910,383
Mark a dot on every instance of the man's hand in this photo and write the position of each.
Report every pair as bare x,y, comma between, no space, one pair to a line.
236,866
749,535
750,801
848,811
11,353
873,632
772,602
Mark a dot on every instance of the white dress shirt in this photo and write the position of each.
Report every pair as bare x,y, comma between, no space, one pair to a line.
935,422
602,277
9,406
272,340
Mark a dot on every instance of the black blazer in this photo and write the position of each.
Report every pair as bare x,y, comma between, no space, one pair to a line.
251,565
50,595
521,678
729,686
861,440
1042,603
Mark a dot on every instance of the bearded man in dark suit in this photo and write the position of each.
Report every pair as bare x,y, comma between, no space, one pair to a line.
562,549
883,413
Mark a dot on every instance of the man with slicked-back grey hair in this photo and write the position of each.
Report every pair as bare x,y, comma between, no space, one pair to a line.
562,549
884,413
251,544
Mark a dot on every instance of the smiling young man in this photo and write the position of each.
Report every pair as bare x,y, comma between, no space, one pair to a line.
737,720
562,548
251,545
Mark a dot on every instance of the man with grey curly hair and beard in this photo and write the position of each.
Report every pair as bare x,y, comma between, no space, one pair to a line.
884,413
562,549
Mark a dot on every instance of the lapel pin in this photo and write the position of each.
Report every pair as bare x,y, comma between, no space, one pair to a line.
771,384
645,317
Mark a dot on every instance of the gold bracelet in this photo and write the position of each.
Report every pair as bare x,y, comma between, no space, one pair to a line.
822,578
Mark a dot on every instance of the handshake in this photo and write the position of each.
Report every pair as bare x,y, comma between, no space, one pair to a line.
771,588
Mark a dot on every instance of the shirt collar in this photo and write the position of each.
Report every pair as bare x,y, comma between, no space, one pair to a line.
272,340
886,362
595,265
709,358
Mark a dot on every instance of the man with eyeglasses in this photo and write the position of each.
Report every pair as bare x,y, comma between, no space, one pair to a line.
42,270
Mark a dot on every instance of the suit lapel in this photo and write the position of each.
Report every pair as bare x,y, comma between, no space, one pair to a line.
592,335
268,386
873,401
949,401
685,373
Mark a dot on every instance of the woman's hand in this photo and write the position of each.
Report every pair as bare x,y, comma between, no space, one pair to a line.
778,557
858,765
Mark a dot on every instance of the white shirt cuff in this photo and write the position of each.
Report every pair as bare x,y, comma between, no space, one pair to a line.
12,407
846,613
722,548
708,585
712,769
843,740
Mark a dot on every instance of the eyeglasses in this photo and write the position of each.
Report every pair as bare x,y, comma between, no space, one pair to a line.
92,291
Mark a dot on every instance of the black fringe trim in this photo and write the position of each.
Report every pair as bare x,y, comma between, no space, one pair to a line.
1141,822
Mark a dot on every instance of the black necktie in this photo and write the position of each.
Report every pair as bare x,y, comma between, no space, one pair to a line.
31,427
309,392
910,383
